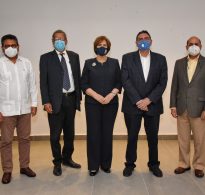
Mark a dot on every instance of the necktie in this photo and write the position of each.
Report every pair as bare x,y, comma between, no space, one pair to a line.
66,80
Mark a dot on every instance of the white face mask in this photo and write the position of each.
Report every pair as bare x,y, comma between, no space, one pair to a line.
194,50
11,52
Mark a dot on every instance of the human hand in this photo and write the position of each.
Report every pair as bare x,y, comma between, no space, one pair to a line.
174,112
203,115
99,98
143,104
48,108
108,98
33,111
1,117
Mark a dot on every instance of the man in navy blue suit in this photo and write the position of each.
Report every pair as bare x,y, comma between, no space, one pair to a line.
144,78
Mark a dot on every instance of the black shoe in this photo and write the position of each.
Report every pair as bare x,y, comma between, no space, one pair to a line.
156,171
57,171
106,170
71,163
128,171
93,172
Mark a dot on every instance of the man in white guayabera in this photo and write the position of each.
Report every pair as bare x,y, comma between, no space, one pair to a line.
18,101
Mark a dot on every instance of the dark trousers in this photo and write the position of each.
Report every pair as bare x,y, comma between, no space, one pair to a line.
63,120
151,124
100,122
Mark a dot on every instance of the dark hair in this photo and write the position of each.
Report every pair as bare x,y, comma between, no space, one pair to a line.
58,31
99,39
142,32
9,36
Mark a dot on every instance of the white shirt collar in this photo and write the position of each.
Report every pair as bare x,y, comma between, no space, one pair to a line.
19,58
148,56
59,53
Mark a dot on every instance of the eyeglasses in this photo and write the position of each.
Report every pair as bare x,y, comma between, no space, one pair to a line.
7,46
58,39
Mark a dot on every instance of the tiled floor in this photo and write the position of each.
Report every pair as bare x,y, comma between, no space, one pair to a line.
78,182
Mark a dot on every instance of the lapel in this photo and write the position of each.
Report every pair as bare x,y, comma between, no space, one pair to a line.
198,67
184,70
138,63
56,60
152,64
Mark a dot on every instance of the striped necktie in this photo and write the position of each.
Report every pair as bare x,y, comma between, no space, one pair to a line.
66,79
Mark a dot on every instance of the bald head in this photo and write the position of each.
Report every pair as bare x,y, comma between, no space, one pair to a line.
193,41
193,47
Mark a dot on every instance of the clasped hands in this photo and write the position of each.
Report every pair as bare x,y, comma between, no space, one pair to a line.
143,104
104,100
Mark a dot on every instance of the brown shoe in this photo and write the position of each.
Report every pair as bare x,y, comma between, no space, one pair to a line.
180,170
199,173
6,178
28,172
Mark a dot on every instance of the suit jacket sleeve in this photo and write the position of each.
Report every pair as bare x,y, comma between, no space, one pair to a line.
118,82
127,83
157,92
174,86
84,79
44,80
79,75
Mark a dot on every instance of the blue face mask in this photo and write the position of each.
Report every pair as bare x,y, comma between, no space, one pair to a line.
101,51
144,45
59,45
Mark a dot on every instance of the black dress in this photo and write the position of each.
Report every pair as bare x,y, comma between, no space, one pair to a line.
102,78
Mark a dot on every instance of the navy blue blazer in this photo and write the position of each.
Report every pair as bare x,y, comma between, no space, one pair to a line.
135,87
51,79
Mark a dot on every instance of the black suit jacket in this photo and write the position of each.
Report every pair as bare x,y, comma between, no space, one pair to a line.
101,78
51,79
135,87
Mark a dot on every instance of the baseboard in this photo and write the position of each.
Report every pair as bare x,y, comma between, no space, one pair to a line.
115,137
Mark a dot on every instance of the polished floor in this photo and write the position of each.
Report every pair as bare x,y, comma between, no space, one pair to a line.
78,182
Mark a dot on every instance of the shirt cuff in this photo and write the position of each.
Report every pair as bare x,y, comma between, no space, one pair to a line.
34,104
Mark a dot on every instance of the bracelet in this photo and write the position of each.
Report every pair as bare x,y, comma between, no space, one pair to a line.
113,93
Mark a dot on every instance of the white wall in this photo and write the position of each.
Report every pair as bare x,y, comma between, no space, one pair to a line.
169,22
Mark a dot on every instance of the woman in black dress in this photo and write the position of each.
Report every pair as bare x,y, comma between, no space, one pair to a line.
100,83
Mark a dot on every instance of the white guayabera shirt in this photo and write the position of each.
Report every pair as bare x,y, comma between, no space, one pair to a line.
18,90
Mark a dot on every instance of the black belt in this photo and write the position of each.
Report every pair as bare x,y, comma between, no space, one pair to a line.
68,93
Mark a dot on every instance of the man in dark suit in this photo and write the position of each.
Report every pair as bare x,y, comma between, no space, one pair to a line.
187,104
144,78
61,96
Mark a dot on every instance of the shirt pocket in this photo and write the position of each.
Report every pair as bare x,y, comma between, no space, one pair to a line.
8,106
25,74
26,105
5,77
201,99
5,80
